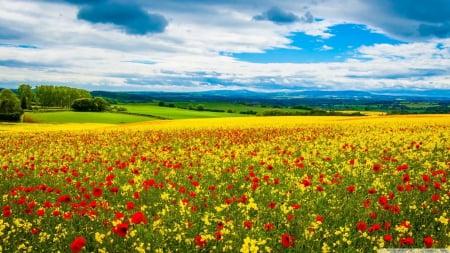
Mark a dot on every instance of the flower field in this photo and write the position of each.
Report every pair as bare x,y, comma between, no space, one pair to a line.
295,184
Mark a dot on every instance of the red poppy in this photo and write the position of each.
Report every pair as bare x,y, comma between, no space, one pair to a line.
269,226
296,206
361,226
114,189
77,244
290,217
35,231
97,192
64,199
130,205
319,218
428,242
248,224
6,211
200,241
218,236
387,238
121,229
376,167
435,197
272,205
138,217
287,240
407,240
351,188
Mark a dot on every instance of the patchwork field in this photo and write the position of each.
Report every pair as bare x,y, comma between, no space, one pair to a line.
254,184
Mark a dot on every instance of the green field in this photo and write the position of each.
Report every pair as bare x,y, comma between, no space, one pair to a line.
175,113
83,117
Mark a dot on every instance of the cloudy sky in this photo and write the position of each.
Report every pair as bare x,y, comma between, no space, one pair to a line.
192,45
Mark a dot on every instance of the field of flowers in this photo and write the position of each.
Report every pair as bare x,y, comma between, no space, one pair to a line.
284,184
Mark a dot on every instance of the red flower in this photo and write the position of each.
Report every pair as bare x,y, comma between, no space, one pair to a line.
387,238
121,229
406,178
77,244
218,236
435,197
428,242
114,189
6,211
64,199
407,240
290,217
248,224
319,218
376,167
287,240
361,226
97,192
374,227
200,241
351,188
296,206
138,217
130,205
269,226
272,205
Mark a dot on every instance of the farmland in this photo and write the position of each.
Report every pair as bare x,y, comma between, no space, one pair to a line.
298,184
60,117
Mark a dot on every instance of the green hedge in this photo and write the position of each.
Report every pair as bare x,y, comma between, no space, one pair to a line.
11,117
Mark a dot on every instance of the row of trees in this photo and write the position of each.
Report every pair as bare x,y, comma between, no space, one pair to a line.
50,96
12,105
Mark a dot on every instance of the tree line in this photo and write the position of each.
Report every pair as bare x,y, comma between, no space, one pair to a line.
12,105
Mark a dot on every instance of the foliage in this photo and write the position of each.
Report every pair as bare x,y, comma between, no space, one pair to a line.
297,184
26,95
96,104
61,96
10,109
63,117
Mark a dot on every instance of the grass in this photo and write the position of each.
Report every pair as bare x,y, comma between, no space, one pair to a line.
175,113
83,117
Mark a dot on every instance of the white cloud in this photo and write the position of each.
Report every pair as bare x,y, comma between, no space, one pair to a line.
200,40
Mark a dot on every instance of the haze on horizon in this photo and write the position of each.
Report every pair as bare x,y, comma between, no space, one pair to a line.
258,45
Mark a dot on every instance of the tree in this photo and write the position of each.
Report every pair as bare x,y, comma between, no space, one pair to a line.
96,104
26,95
10,109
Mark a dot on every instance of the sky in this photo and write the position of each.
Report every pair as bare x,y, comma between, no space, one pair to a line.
197,45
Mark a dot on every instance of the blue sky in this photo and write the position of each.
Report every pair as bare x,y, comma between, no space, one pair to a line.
260,45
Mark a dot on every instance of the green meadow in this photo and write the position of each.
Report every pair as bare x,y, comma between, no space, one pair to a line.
83,117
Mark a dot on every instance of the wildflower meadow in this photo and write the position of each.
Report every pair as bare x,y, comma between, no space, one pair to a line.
262,184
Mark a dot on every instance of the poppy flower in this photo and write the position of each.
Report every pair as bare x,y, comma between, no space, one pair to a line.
77,244
138,217
361,226
130,205
387,238
272,205
428,242
269,226
97,192
248,224
351,188
287,240
406,241
121,229
200,241
64,199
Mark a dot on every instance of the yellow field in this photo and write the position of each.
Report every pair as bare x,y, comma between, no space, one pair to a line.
257,184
